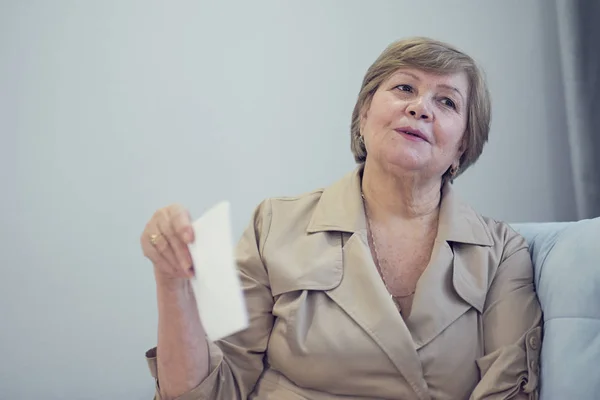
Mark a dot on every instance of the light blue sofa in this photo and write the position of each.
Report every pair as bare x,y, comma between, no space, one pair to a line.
566,258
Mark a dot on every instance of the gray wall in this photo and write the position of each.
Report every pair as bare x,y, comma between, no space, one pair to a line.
111,109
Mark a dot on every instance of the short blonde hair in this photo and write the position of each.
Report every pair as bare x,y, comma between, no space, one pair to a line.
432,56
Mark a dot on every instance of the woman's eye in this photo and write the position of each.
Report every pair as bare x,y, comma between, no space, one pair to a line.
449,103
404,88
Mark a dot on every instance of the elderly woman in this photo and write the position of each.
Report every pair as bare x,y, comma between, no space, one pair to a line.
384,285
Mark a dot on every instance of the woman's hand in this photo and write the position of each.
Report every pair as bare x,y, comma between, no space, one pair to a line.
165,242
181,359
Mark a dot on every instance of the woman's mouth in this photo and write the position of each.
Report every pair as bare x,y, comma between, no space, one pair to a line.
412,134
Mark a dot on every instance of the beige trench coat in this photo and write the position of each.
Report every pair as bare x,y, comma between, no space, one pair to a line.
323,327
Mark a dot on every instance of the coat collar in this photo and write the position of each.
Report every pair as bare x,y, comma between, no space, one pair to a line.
341,209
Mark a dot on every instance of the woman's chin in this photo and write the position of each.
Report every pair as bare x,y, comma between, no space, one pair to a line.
406,162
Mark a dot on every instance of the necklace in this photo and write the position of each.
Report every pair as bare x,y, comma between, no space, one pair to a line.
377,259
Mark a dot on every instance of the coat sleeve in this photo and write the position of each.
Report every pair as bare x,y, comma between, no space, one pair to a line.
236,362
512,330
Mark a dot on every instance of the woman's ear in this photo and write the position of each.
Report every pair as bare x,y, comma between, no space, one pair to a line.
362,119
462,147
364,112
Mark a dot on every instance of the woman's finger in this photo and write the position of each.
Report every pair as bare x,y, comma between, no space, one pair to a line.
153,245
182,228
177,253
163,266
160,251
182,224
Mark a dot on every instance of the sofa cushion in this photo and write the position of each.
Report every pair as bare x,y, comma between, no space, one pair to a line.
566,259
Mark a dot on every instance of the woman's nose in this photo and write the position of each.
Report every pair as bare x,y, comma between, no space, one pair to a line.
418,110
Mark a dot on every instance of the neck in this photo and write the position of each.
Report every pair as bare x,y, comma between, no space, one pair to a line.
393,197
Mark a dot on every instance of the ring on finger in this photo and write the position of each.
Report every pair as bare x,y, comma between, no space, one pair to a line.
154,238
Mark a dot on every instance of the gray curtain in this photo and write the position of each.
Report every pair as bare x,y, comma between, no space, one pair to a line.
579,36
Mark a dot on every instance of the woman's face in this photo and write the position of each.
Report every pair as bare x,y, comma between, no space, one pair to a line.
416,121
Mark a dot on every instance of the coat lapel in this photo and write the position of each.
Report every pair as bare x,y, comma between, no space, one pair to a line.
454,281
363,297
361,293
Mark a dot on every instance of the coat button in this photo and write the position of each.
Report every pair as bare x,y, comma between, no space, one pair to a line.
534,343
534,366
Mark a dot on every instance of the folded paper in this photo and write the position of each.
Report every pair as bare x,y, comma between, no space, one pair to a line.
216,284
